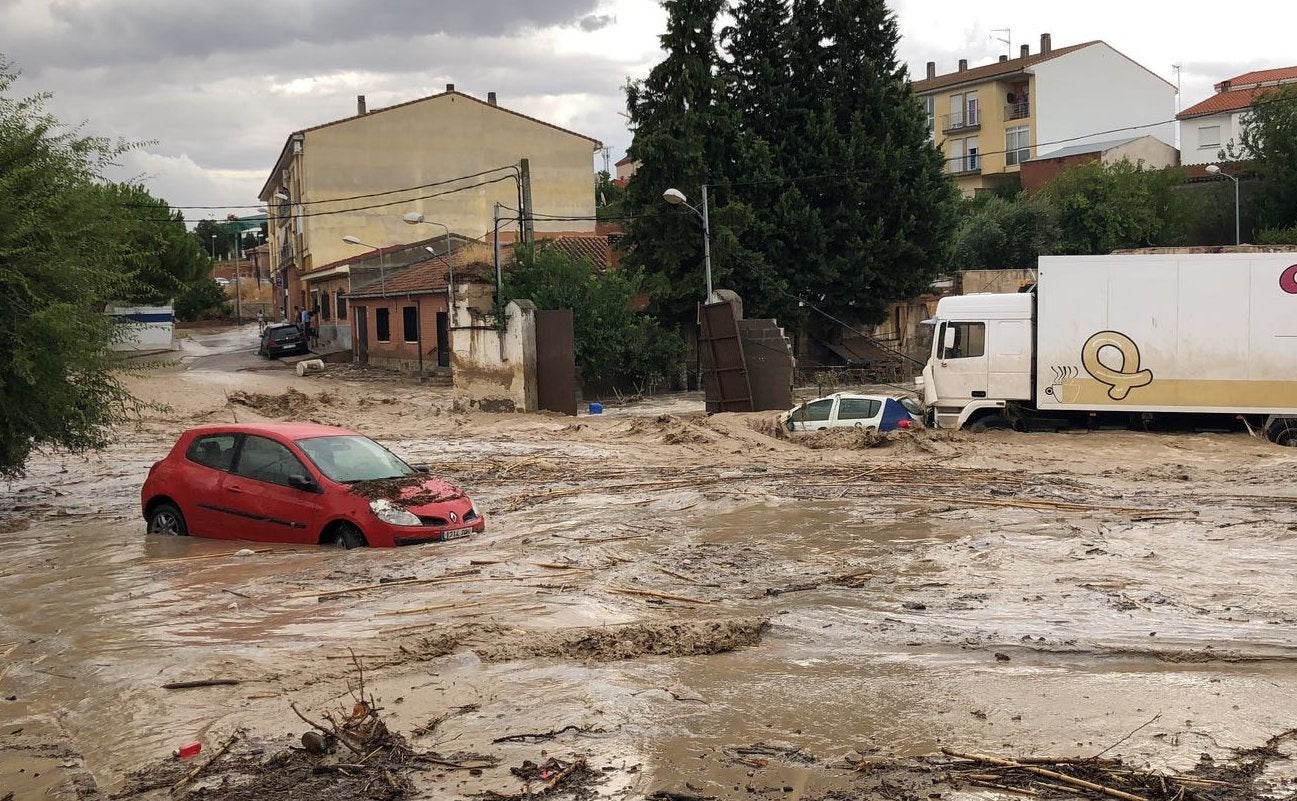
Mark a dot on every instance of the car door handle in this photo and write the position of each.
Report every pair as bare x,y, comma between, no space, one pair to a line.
235,489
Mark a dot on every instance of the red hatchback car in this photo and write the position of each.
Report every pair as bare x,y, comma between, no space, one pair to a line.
300,483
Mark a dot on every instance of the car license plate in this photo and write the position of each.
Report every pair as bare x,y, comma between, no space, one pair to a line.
455,533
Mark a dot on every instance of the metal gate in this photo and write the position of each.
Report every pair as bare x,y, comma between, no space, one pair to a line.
555,361
720,359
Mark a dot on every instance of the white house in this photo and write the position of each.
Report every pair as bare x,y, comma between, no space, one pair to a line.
1207,127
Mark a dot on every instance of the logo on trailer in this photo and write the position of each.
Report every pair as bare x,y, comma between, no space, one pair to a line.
1288,280
1123,379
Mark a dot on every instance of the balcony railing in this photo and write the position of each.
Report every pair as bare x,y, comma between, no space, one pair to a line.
961,121
1017,111
964,165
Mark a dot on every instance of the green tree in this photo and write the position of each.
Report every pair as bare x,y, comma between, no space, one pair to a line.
61,247
1269,139
608,197
995,232
682,133
202,298
217,239
614,342
1100,208
161,256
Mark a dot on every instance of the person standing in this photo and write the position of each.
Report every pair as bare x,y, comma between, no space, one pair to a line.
297,319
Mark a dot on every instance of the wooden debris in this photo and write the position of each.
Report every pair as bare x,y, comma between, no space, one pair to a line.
187,685
197,769
664,596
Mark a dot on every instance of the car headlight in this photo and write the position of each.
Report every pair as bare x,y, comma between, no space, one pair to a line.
390,513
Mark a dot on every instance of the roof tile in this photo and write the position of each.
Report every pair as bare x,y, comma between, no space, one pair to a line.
993,70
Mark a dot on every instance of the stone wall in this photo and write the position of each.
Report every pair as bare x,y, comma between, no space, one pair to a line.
495,371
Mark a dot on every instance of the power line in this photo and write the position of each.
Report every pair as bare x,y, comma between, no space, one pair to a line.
347,197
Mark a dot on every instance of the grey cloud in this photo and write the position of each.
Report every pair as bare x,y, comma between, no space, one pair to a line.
156,31
596,22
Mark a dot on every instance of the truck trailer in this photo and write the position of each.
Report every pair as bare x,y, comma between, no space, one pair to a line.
1142,340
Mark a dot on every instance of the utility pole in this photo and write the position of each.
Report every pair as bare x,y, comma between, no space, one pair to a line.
528,221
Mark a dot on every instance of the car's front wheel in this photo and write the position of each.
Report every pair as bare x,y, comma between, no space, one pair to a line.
348,536
166,520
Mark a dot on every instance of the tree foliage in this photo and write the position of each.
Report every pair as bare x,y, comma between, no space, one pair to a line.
1269,139
996,232
1100,208
61,249
823,183
614,342
160,255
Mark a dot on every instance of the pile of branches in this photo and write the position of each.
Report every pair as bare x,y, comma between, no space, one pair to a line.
1097,778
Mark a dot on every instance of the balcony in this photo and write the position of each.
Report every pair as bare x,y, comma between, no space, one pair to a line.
962,122
961,166
1017,111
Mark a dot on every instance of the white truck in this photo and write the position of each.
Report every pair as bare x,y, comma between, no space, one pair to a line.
1143,340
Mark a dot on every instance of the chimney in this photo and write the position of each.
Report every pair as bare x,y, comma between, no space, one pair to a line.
360,105
932,70
1003,58
450,87
1223,86
1045,44
1025,51
490,98
963,64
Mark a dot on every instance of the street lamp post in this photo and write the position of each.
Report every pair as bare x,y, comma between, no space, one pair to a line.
1214,169
382,265
677,198
415,218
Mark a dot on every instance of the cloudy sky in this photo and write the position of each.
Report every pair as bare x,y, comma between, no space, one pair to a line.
214,88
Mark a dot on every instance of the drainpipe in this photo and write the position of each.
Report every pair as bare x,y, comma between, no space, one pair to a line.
418,333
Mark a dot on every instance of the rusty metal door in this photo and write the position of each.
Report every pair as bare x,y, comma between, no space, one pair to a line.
555,361
720,359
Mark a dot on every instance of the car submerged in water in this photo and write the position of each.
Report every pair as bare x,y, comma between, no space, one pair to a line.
300,483
850,410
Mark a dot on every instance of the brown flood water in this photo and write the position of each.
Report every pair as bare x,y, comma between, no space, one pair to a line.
978,626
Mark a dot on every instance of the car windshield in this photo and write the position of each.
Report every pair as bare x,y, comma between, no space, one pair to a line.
352,458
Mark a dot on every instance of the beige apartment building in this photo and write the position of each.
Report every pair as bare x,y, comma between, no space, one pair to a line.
990,119
451,157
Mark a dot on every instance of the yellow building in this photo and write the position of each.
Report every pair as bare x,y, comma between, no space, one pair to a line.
988,120
450,157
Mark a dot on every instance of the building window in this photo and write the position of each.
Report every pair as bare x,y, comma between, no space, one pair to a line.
974,153
964,111
1209,136
383,325
410,323
324,306
1017,145
341,306
930,109
957,161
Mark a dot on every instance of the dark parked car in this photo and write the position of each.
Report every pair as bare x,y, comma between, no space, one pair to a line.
301,483
283,339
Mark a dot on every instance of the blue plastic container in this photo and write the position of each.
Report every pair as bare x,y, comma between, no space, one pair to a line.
596,408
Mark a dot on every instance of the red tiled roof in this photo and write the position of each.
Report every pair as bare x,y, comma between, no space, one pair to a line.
994,69
1234,100
1275,75
432,274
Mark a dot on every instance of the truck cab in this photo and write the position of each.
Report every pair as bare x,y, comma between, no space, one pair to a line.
981,359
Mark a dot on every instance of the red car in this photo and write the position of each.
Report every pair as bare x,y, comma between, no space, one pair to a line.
301,483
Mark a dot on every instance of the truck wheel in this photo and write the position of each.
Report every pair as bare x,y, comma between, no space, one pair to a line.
1283,433
992,422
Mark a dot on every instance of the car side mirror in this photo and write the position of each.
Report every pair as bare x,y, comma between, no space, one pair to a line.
948,338
301,482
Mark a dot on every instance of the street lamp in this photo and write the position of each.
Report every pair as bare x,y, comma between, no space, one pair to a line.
415,218
382,271
1214,169
677,198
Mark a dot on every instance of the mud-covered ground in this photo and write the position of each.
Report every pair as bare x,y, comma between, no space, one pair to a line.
662,602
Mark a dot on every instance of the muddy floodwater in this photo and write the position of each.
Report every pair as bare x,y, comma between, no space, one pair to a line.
688,604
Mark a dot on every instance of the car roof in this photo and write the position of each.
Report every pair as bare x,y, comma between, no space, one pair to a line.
281,325
292,431
855,395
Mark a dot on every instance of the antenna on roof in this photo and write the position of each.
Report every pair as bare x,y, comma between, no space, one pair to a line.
1007,39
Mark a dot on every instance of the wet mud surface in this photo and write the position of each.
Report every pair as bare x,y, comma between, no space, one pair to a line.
680,604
